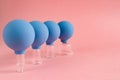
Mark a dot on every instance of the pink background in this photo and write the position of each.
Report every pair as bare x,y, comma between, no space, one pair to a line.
96,40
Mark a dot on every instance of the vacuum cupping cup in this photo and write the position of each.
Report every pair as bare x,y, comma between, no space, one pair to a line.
54,33
41,35
19,35
66,33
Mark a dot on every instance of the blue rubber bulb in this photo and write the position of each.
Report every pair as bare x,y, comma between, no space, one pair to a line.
67,31
54,32
41,34
18,35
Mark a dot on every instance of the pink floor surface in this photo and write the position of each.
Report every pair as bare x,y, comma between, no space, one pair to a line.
99,64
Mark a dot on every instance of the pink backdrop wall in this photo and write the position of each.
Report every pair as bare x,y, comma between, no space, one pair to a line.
96,23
